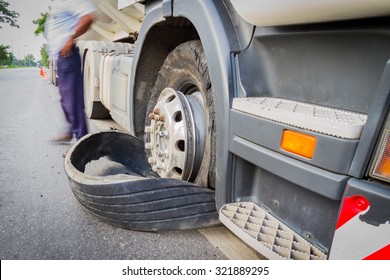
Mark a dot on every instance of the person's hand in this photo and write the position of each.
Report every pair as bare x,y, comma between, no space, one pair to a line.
67,49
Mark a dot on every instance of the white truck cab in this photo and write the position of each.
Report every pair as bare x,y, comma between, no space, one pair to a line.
280,108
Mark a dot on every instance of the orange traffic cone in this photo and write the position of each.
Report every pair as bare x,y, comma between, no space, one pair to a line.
44,75
41,71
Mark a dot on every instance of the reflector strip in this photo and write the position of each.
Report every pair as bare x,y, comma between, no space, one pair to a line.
351,207
382,254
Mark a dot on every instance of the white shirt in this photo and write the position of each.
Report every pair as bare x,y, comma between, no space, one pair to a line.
63,17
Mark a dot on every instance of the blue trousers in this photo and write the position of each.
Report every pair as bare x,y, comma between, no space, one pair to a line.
70,85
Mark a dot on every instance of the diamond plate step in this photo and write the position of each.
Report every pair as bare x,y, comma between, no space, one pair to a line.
266,234
325,120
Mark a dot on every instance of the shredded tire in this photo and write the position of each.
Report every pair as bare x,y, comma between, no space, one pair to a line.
141,200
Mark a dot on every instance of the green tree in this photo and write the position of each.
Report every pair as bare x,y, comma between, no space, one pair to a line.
29,60
7,16
4,54
41,24
44,56
10,58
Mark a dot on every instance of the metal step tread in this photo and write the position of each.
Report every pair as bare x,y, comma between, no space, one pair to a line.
321,119
266,234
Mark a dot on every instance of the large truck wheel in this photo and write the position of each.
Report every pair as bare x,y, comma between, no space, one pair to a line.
179,124
93,109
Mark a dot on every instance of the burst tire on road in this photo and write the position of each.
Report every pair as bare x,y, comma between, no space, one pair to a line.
142,202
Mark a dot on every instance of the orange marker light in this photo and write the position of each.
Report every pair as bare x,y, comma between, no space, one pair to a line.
298,143
382,166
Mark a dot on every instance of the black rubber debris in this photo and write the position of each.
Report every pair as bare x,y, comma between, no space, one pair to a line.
136,198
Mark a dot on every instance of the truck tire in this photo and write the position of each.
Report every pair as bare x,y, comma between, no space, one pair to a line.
183,78
151,204
93,109
140,201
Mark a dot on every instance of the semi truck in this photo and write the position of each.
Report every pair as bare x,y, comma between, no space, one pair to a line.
271,117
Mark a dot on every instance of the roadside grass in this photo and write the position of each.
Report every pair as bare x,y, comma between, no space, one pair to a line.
13,66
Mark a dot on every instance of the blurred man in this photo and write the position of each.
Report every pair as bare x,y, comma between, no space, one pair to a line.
67,20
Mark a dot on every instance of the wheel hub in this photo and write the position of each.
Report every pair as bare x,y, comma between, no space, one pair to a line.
177,134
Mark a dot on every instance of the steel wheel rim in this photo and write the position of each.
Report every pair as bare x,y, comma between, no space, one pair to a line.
177,134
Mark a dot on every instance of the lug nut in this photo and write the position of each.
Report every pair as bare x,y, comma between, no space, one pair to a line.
156,111
148,146
152,116
157,167
160,166
163,134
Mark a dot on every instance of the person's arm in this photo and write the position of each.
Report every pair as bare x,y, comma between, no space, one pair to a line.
82,27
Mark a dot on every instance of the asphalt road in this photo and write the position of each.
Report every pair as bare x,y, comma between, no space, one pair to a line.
39,215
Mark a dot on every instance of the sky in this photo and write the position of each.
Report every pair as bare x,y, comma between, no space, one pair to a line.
22,40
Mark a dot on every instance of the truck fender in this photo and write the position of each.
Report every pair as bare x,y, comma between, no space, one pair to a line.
219,40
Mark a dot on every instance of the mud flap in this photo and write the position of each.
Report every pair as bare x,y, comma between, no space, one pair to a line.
136,199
